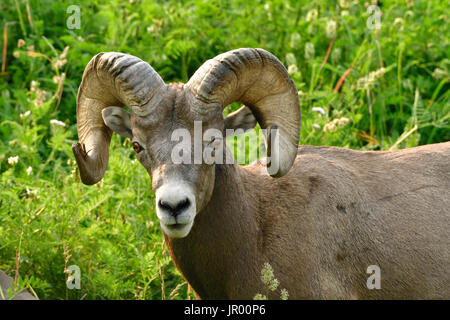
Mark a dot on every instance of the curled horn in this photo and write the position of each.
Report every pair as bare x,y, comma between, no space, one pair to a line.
259,80
109,79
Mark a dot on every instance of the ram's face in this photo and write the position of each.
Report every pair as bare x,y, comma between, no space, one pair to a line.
179,148
167,146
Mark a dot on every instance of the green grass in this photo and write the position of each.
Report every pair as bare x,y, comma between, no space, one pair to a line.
378,90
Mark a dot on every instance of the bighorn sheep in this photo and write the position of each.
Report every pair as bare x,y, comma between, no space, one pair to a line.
329,214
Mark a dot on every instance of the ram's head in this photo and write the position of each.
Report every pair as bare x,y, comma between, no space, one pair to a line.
160,112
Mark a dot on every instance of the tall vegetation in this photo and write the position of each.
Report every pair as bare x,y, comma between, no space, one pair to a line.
359,87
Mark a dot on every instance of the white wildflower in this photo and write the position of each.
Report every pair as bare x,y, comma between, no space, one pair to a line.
295,41
56,79
57,123
59,63
13,160
331,29
31,192
40,98
336,55
368,81
336,124
40,94
409,13
29,170
330,127
318,109
284,294
312,15
25,114
317,126
337,113
344,3
343,121
267,273
439,74
273,285
292,69
399,21
408,85
290,58
309,51
34,85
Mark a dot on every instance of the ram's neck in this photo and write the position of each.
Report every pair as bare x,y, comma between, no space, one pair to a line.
224,236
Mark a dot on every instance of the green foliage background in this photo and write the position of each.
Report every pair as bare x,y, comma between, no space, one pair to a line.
393,94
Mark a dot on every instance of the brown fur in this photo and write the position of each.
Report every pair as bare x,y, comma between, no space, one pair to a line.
335,213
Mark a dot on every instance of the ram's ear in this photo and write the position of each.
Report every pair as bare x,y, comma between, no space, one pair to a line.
118,120
240,121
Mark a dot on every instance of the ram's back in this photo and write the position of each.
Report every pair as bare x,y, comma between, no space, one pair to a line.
385,175
354,209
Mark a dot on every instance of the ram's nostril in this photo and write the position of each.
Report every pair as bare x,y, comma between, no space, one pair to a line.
182,205
164,205
174,208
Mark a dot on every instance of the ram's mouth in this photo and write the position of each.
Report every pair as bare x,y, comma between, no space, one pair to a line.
177,230
176,226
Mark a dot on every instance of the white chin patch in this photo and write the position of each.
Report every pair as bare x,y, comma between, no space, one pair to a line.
176,230
175,221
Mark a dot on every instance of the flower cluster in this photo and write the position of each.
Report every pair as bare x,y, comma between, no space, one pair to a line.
61,60
269,280
12,161
39,99
336,124
369,80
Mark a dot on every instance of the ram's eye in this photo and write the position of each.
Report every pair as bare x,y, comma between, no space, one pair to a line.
137,147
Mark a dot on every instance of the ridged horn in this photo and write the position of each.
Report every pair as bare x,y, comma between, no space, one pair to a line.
109,79
259,80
